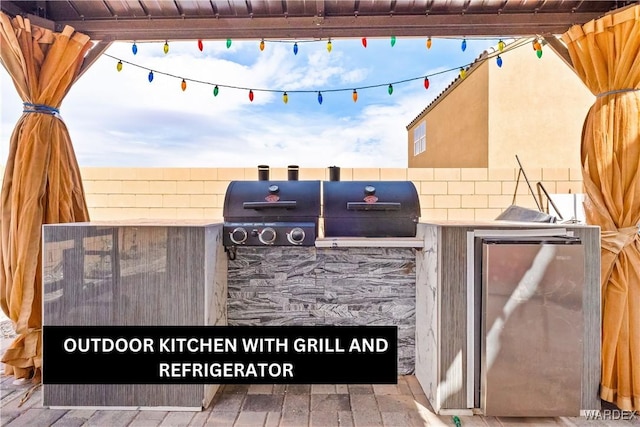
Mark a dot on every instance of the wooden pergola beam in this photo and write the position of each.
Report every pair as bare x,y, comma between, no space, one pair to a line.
322,27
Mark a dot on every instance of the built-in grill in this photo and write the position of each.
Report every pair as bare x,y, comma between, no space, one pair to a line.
370,209
265,212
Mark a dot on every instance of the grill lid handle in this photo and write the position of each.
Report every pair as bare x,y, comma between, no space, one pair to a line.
378,206
286,204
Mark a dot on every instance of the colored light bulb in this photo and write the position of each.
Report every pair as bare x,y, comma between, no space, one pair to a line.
539,53
250,95
216,90
295,48
329,46
500,45
354,95
319,98
426,82
150,77
499,61
261,45
464,45
183,85
119,66
166,47
364,41
536,45
463,73
200,45
285,97
390,89
228,43
393,41
429,43
134,48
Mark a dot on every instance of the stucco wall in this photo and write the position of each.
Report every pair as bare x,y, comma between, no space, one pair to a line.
172,193
457,127
536,110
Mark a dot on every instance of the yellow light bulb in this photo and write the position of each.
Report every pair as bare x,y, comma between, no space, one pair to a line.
329,47
285,97
166,47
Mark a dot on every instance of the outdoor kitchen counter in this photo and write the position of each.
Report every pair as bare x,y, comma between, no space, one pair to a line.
446,340
133,273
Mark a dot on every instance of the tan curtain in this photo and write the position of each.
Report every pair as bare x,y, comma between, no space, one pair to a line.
606,54
42,181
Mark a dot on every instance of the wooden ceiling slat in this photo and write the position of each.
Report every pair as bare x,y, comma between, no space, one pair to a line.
127,8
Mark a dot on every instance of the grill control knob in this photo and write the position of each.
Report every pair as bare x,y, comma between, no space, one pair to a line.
267,236
238,235
369,190
296,236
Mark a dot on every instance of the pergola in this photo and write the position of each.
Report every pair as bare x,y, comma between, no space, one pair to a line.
49,44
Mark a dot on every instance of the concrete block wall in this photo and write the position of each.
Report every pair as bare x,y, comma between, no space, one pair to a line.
198,193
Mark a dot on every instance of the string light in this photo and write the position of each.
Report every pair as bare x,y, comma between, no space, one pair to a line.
119,66
166,47
364,42
536,45
329,47
429,43
261,45
500,45
393,41
200,45
462,71
539,53
464,45
134,48
285,97
295,48
228,43
183,85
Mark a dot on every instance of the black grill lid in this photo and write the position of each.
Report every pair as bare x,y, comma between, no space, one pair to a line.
370,208
272,201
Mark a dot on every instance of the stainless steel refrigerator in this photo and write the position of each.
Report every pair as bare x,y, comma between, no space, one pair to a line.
531,326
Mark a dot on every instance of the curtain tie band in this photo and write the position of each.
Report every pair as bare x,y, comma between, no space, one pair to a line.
40,108
613,92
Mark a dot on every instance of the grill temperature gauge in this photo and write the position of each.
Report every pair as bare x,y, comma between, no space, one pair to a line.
267,236
296,236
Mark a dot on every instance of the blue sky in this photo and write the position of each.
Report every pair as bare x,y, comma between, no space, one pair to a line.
120,119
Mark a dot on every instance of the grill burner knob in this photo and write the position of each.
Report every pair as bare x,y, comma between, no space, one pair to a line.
369,190
296,236
238,235
267,236
273,189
